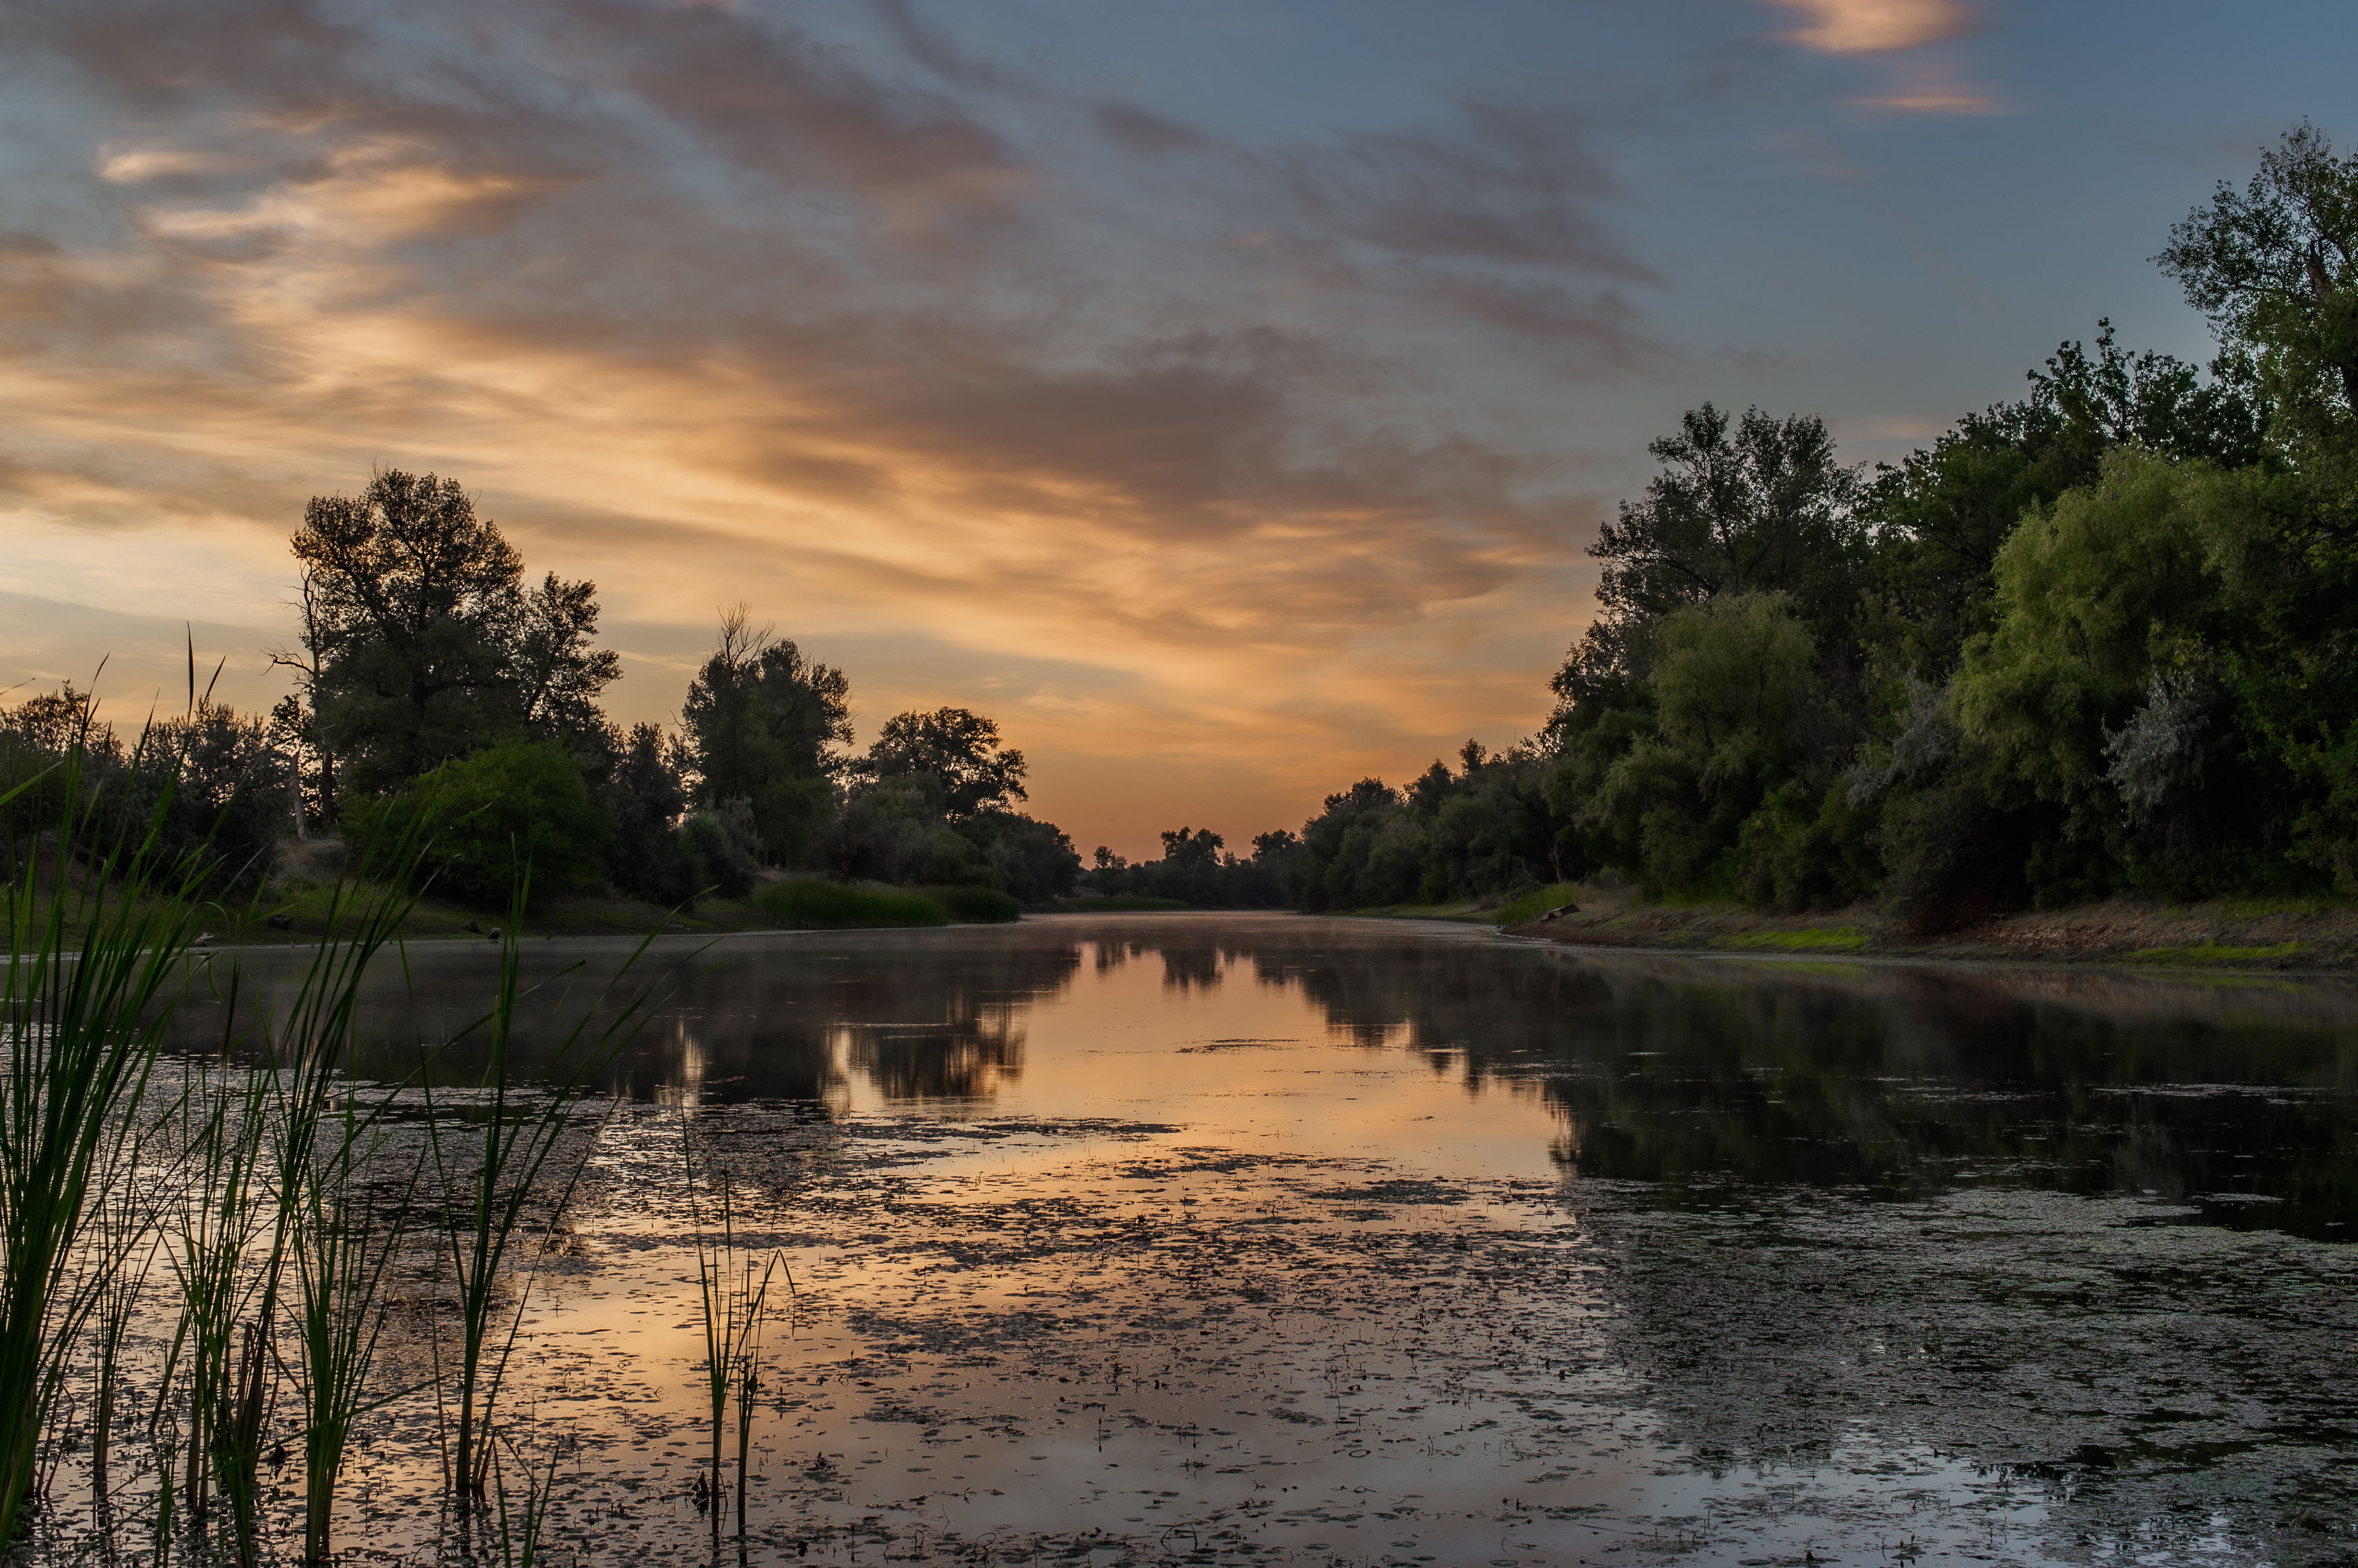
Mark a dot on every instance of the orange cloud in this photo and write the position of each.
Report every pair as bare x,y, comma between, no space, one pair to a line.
708,313
1879,27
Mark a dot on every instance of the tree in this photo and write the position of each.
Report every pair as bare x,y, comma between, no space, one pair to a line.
954,754
761,723
421,643
2275,266
1941,515
1766,509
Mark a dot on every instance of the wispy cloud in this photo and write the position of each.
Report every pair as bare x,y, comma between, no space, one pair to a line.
1876,28
1879,27
707,308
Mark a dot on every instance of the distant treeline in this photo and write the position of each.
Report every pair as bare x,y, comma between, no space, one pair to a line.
434,682
2101,639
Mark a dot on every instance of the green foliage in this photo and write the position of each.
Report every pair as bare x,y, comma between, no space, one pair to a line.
1115,904
1030,861
2092,592
951,754
1528,907
808,906
761,724
1197,871
422,644
976,906
490,817
721,848
1810,939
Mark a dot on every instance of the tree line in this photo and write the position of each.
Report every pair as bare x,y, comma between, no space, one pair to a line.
434,680
2095,640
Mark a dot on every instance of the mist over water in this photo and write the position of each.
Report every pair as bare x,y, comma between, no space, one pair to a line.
1234,1238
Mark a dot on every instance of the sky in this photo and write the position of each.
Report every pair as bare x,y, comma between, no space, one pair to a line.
1218,394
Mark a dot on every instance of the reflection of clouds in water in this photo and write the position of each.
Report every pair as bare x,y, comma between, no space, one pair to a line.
1904,1079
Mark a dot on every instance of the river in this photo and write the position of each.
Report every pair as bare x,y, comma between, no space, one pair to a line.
1269,1238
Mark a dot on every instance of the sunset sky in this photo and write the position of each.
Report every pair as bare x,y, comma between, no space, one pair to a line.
1217,394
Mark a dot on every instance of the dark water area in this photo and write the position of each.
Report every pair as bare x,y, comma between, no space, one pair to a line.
1271,1238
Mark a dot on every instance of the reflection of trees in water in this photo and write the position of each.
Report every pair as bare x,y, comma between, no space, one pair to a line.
943,1019
1668,1070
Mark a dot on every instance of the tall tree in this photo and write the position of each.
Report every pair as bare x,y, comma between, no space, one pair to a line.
1940,515
762,725
421,642
1754,504
955,754
2275,266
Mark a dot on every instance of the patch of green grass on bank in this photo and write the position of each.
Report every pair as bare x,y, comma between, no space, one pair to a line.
1123,904
809,905
976,906
1810,939
2259,908
2215,953
1524,908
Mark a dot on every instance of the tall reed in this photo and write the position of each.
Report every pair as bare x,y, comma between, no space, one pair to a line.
83,1005
735,1303
326,1222
511,1174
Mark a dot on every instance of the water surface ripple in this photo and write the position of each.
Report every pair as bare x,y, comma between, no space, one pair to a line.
1236,1239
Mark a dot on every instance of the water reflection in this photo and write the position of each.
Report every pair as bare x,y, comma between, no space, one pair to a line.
1682,1073
1345,1238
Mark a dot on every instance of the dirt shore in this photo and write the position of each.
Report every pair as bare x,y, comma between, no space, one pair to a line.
2314,935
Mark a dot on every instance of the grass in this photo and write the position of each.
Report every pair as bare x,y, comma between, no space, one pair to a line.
1810,939
1524,908
975,906
2215,953
831,906
1123,903
82,1023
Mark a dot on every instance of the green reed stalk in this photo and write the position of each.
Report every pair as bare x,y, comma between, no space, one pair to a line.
224,1213
325,1221
83,1006
734,1303
341,1253
126,1217
489,1190
520,1533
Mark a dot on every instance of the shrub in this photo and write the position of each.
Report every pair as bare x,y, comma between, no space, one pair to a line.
976,906
723,848
491,814
816,905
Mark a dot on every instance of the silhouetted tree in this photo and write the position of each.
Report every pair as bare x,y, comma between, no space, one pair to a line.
762,724
421,643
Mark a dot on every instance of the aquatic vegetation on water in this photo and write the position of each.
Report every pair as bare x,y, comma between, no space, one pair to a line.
1264,1240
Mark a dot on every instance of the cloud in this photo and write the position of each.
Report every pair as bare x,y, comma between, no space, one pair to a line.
707,308
1879,27
1144,133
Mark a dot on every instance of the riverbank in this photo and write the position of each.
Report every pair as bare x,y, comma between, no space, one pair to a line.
2266,935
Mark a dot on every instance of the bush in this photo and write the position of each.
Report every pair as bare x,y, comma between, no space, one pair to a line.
816,905
976,906
1527,907
723,848
489,816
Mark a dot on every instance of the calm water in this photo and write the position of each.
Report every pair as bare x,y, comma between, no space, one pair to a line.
1267,1239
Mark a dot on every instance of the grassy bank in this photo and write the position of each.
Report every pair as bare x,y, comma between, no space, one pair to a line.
294,906
2296,935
